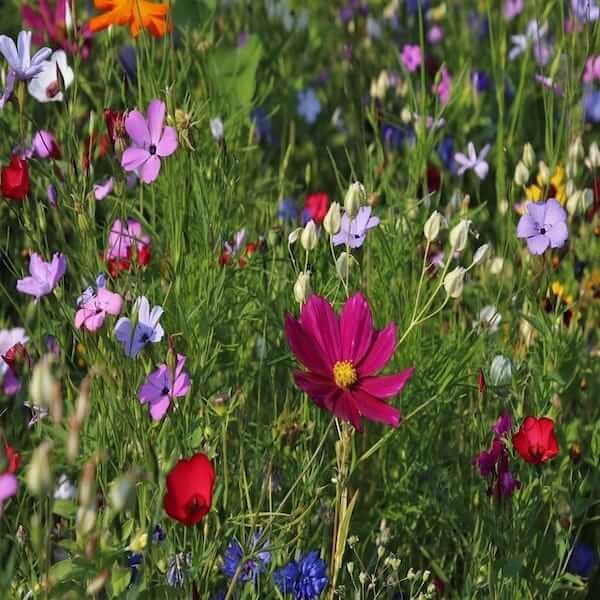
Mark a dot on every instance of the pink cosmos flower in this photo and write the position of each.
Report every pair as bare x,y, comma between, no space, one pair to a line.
411,57
342,356
151,141
91,314
162,386
44,275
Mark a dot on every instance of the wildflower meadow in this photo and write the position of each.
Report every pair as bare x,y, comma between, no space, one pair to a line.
300,299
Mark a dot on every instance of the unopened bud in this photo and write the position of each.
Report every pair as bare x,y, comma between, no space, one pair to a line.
433,225
521,174
294,235
500,371
122,490
302,289
333,219
344,264
459,235
576,150
544,173
593,159
308,237
480,254
528,155
362,577
96,585
39,472
574,203
355,196
87,483
454,282
44,389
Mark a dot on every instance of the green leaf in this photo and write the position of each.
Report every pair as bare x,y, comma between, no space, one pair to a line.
119,580
192,12
64,508
61,570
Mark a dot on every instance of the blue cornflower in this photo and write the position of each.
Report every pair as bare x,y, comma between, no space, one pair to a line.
583,560
252,567
176,568
481,81
309,106
158,534
262,125
305,579
128,61
134,560
412,6
288,210
446,153
591,103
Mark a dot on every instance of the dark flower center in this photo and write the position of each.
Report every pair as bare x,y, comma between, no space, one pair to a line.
196,506
164,391
152,149
542,230
145,338
52,89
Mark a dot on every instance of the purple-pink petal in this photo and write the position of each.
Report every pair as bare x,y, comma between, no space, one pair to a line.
527,227
538,244
306,348
9,485
156,118
386,386
168,142
150,169
133,158
376,410
558,234
159,408
137,128
319,320
356,328
379,354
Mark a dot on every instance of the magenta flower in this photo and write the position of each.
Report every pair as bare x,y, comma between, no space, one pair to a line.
92,312
592,69
44,145
442,87
151,141
543,226
9,338
512,9
411,57
342,357
101,190
9,485
124,236
162,386
44,275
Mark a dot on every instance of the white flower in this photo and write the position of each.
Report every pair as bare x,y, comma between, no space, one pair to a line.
217,129
64,489
473,161
489,319
47,86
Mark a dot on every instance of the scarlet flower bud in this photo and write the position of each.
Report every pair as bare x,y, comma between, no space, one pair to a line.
14,179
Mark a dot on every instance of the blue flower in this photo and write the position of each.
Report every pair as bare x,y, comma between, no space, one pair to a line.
591,103
446,153
304,579
134,560
158,534
309,106
262,125
252,567
394,137
176,568
412,6
481,81
128,61
288,210
583,560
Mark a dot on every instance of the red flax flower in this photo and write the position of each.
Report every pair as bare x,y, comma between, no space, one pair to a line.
189,489
14,179
535,441
342,357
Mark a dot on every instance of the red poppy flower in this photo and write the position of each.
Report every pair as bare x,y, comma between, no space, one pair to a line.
13,459
535,441
15,179
189,489
316,205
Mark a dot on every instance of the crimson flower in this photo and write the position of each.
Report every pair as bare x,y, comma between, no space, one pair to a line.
342,357
316,206
190,486
14,180
535,441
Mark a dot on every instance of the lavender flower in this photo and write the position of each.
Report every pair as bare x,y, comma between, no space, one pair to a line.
147,328
44,275
354,232
21,65
543,226
309,106
177,567
512,9
473,161
586,11
304,579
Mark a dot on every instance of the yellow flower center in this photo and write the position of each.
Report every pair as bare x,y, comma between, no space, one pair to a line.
344,374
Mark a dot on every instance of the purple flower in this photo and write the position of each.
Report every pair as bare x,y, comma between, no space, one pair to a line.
503,424
586,11
543,226
9,486
435,34
473,161
512,9
262,125
101,190
442,87
592,69
52,195
582,560
288,210
21,65
251,568
44,275
162,386
305,579
151,141
147,328
535,34
411,57
9,338
481,81
354,232
591,104
44,145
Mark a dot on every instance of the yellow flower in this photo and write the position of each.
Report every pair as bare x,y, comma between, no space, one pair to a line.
138,543
591,286
557,189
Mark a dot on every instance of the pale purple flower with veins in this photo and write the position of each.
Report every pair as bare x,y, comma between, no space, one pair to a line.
92,312
586,11
543,226
151,141
22,66
473,161
44,144
354,232
162,386
147,328
44,275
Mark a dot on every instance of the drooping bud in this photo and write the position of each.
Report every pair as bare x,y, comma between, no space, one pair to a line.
454,282
308,237
593,159
355,196
302,289
122,491
294,235
333,219
544,173
528,155
576,150
501,371
344,264
39,472
521,174
44,389
480,254
459,235
433,225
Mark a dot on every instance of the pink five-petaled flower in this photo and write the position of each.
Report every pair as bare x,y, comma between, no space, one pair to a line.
162,386
91,314
544,225
411,57
342,357
151,141
44,275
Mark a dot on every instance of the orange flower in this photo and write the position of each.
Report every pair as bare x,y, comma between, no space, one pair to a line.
138,14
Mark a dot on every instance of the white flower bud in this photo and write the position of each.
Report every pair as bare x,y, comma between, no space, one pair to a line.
500,371
344,264
587,198
544,173
576,150
521,174
122,490
355,196
496,265
44,390
426,575
39,472
459,235
294,235
593,159
333,219
308,237
406,115
433,225
350,567
86,519
574,203
454,282
480,254
362,577
570,188
302,289
571,169
528,155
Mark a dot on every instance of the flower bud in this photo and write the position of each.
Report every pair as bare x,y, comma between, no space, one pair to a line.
87,483
544,173
39,472
576,150
122,491
496,265
293,237
528,155
571,169
454,282
333,219
500,371
459,235
86,519
344,264
521,174
308,237
44,389
480,254
302,289
433,225
574,203
593,159
355,196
